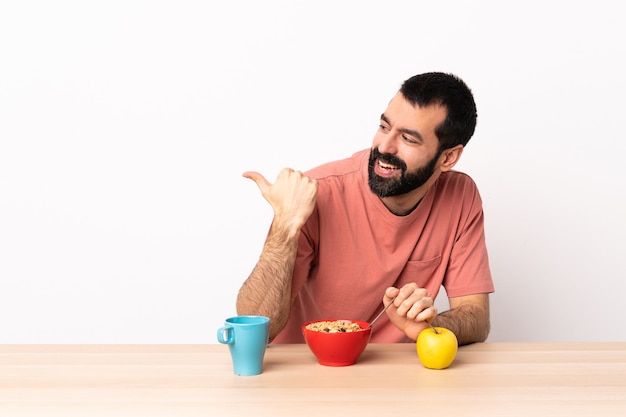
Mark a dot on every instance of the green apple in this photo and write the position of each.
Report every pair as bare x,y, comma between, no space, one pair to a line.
436,347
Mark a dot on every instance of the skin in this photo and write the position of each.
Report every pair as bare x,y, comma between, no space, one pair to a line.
267,291
407,132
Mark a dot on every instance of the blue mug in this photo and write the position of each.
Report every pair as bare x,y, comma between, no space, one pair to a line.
247,338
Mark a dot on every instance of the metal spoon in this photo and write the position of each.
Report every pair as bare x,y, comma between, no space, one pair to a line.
381,313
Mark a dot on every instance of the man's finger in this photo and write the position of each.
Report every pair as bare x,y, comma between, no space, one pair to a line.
259,179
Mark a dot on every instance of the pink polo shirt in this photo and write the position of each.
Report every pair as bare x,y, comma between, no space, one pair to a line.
352,248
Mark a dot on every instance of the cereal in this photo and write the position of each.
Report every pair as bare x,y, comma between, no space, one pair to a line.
337,326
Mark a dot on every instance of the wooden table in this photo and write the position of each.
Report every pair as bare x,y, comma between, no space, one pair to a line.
489,379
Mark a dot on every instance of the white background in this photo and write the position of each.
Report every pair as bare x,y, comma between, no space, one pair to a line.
125,128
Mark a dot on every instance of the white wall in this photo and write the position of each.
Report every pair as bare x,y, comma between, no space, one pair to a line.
125,127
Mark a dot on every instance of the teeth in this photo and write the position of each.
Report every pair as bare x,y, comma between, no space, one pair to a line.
386,166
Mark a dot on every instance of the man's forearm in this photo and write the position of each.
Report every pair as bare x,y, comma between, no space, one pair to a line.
470,323
267,291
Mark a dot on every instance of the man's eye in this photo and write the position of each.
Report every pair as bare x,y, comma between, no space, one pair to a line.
383,127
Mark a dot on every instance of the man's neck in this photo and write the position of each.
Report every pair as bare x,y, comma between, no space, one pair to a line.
404,204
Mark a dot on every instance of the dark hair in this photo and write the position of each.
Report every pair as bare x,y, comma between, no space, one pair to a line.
451,92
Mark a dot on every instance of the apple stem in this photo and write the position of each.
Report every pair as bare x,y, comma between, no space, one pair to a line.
434,329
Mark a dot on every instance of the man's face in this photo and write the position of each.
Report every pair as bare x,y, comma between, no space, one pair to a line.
405,151
386,186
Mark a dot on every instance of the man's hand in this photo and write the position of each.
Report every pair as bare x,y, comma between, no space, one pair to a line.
412,310
292,197
267,291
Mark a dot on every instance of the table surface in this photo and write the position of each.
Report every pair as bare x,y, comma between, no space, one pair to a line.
495,379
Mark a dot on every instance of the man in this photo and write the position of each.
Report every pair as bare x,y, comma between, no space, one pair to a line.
393,222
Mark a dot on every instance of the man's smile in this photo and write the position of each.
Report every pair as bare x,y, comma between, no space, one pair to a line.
386,169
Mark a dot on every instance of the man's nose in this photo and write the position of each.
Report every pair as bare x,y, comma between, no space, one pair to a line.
388,144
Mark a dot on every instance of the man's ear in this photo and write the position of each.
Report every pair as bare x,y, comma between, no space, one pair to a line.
450,157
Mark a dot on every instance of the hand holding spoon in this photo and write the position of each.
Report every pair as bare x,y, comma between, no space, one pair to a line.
381,313
385,309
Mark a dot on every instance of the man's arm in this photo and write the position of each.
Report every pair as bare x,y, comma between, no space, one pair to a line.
267,291
468,318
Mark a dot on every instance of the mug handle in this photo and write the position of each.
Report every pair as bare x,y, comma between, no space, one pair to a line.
229,339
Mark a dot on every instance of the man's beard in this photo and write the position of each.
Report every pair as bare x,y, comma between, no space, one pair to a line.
408,181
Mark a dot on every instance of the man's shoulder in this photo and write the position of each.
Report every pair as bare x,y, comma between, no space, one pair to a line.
457,186
456,178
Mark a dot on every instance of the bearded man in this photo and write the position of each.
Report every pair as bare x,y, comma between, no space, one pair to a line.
391,224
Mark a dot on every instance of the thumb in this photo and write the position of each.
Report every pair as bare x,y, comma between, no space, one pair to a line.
259,179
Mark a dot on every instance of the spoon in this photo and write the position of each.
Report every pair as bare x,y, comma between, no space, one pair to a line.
381,313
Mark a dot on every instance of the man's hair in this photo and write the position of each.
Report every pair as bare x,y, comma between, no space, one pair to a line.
448,90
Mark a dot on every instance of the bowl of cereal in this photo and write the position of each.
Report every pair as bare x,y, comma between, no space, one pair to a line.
337,342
